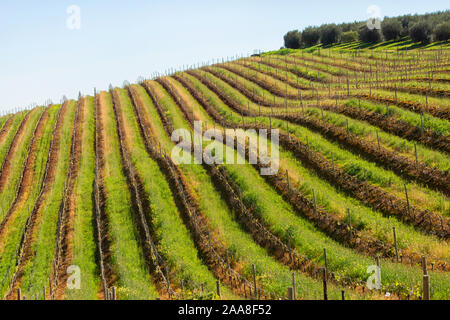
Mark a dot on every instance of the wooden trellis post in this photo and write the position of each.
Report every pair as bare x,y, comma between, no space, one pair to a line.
426,287
287,178
113,293
415,153
377,258
182,289
294,291
421,122
290,293
314,201
378,141
407,199
349,218
348,87
395,243
218,289
324,282
254,282
168,284
424,265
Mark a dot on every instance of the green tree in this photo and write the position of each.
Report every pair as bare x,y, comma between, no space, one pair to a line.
369,36
292,39
310,36
406,21
391,29
330,34
442,31
420,32
349,36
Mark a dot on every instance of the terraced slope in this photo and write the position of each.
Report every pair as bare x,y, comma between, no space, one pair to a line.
94,187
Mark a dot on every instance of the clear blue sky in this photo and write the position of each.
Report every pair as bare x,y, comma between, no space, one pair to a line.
41,58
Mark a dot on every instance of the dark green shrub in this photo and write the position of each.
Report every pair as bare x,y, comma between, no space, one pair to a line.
330,34
442,31
310,36
391,29
369,36
292,39
349,36
420,32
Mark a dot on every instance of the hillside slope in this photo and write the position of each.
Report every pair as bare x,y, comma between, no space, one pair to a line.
89,187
